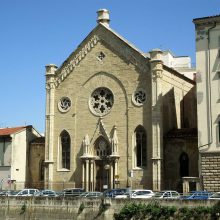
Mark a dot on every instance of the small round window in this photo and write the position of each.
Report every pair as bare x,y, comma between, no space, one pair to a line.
101,101
139,97
64,104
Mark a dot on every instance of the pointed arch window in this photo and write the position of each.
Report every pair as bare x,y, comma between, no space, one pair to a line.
41,169
102,147
141,146
65,150
184,164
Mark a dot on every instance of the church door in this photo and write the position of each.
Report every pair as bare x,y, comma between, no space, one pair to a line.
102,163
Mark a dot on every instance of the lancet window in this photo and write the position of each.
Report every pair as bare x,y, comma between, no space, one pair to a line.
65,150
141,146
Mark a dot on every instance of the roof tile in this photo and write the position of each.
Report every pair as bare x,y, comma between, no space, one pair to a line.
9,131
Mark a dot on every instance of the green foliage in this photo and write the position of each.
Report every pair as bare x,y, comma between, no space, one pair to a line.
102,208
140,211
81,207
167,211
154,211
215,212
23,209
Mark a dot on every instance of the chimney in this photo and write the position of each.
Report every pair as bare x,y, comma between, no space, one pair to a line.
103,17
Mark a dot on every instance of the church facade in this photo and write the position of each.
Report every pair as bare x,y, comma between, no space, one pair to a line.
108,107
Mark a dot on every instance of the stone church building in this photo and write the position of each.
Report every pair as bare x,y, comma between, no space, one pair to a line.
118,117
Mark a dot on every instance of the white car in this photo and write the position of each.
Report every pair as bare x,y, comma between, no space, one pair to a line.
27,192
137,194
215,196
167,194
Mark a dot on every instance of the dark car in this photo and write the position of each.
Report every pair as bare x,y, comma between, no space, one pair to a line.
111,193
46,193
197,195
9,193
72,192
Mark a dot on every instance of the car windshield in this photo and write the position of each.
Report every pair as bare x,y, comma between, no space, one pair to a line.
159,194
215,195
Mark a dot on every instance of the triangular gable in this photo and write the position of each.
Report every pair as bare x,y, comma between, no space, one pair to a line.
100,131
103,34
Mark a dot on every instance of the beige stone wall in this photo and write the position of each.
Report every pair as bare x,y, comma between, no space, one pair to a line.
210,168
65,209
122,79
175,88
173,148
35,159
122,70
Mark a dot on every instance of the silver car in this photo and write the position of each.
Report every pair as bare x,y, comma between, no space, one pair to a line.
167,194
137,194
215,196
27,192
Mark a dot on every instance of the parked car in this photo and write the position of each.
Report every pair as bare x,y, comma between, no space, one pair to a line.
215,196
197,195
111,193
167,194
27,192
91,195
73,192
8,193
46,193
137,194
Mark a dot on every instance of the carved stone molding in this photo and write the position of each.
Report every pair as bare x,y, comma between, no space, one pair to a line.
76,60
157,74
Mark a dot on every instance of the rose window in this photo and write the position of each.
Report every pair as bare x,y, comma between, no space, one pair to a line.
101,101
139,97
64,104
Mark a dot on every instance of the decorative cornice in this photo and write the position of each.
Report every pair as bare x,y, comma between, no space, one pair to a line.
68,68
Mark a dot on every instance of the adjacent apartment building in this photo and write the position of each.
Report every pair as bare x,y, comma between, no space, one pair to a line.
208,99
14,156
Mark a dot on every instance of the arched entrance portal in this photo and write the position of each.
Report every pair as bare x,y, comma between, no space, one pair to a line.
102,164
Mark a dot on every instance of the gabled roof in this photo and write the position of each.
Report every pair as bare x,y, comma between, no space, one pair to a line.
215,18
101,33
9,131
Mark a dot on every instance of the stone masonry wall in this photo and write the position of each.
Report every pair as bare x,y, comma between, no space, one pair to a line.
210,169
66,209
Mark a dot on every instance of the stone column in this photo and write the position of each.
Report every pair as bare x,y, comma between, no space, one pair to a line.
87,176
91,185
157,126
111,177
49,131
83,174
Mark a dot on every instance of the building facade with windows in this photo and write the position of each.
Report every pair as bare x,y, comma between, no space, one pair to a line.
208,99
108,107
14,156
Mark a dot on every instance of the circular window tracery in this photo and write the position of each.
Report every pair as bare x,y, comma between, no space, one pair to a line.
64,104
139,97
101,101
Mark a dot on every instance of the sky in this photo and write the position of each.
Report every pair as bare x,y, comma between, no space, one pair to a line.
35,33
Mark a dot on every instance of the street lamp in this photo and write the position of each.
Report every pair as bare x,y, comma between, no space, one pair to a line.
107,167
